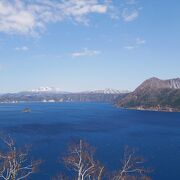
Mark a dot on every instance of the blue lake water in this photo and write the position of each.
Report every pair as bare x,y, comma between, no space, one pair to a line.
50,127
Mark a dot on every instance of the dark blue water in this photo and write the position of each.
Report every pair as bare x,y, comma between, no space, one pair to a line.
51,126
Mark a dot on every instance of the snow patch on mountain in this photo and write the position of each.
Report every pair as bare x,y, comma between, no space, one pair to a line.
46,89
175,83
109,91
57,90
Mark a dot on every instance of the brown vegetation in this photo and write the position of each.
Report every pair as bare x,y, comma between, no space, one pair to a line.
80,160
14,163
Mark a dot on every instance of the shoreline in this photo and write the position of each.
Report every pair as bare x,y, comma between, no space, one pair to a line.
139,108
170,110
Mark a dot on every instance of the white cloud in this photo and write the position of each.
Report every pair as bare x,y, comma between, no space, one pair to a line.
130,47
30,17
138,42
14,17
86,52
23,48
129,15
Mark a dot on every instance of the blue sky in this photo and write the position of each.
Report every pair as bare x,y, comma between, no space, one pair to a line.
78,45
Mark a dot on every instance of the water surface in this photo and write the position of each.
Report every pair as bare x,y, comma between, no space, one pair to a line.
51,126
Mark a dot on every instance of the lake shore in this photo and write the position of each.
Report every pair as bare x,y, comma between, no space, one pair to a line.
155,109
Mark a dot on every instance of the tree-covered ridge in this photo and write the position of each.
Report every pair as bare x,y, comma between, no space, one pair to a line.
154,94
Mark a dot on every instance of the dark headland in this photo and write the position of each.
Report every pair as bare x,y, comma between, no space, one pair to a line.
154,94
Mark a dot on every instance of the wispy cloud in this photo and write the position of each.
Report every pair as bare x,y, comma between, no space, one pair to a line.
131,2
23,48
86,52
129,15
138,42
30,17
130,47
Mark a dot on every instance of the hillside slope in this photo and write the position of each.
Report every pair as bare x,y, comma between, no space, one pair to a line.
154,94
39,96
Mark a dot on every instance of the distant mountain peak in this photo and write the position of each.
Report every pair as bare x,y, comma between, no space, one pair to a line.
154,94
156,83
153,79
46,89
109,91
57,90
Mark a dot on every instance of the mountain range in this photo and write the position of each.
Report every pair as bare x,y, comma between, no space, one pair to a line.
50,94
57,90
154,94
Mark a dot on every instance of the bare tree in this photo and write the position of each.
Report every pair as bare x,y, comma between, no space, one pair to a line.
81,160
132,167
14,164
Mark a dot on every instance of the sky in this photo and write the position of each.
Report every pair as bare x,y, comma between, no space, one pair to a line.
78,45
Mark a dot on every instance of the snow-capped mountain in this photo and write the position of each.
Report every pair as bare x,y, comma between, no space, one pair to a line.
108,91
47,90
57,90
174,83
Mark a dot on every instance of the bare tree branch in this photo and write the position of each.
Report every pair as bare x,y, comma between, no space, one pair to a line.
14,164
81,160
132,167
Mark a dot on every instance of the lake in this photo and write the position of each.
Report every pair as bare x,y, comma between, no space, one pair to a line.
50,127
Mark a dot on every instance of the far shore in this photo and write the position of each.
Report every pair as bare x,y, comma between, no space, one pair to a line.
138,108
153,109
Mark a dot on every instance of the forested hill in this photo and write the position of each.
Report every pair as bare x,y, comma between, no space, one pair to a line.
154,94
56,96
